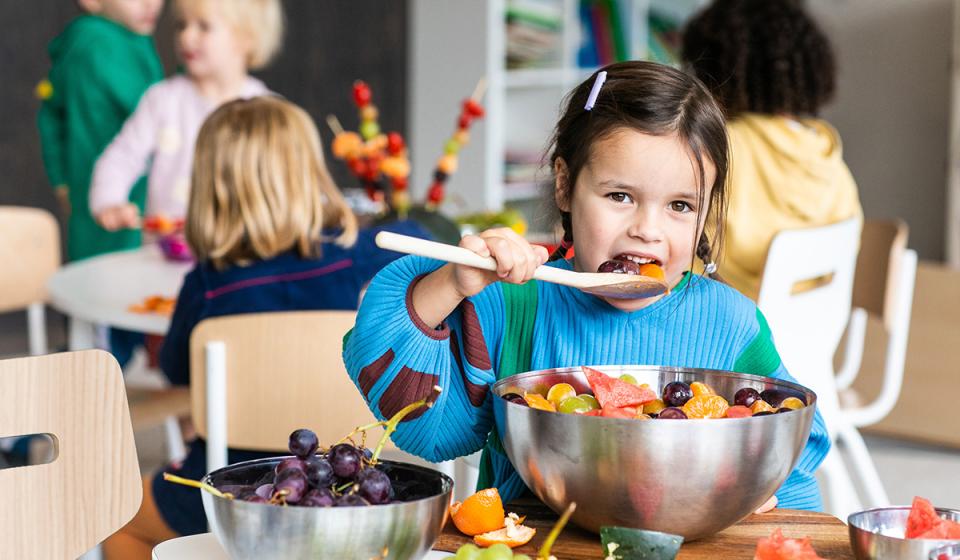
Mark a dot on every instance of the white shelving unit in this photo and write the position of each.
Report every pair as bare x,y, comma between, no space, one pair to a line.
456,42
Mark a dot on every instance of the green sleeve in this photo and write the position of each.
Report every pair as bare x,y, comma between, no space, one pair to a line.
759,356
50,123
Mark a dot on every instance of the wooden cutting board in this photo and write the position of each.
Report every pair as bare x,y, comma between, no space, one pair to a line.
827,533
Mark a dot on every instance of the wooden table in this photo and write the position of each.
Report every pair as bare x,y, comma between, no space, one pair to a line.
828,535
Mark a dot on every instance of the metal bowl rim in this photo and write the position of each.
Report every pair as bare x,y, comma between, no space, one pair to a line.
665,369
447,482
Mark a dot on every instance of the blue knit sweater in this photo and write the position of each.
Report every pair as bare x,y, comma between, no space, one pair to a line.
395,359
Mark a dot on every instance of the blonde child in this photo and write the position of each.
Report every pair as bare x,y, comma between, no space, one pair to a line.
218,42
271,232
638,172
100,66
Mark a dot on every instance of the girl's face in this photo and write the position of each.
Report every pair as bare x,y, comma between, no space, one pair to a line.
636,198
139,16
206,43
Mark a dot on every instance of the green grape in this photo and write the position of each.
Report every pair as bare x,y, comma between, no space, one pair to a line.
590,400
628,378
574,405
468,552
498,551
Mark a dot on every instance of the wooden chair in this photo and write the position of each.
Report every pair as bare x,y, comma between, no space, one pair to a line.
30,253
92,487
255,378
806,295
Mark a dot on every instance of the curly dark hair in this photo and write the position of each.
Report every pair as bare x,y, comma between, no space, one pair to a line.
761,56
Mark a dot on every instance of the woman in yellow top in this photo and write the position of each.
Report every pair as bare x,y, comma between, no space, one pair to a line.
772,69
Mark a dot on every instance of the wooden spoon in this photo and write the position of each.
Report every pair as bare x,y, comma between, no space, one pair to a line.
603,284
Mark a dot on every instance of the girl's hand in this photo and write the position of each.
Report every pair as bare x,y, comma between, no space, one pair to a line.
122,216
768,505
516,260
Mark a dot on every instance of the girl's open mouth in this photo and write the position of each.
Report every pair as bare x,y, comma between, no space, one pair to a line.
627,263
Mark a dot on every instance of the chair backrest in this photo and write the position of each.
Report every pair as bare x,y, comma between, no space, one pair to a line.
877,279
93,487
30,253
808,323
283,371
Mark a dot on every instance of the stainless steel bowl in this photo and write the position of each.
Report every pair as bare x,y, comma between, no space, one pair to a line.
267,532
687,477
877,534
948,552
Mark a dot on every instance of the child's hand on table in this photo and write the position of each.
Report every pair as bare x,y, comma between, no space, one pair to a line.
768,505
121,216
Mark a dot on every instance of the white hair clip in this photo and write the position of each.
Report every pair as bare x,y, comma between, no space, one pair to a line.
710,268
595,91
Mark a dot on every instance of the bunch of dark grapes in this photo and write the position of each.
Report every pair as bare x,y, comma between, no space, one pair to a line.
342,476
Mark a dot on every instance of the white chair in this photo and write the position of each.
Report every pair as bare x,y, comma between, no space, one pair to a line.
30,253
806,294
883,289
93,487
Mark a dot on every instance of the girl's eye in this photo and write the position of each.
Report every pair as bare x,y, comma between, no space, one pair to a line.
204,26
620,197
680,206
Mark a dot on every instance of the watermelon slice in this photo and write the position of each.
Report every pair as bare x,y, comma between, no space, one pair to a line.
923,517
612,392
778,547
613,412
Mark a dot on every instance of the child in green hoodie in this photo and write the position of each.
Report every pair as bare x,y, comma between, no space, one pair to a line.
100,66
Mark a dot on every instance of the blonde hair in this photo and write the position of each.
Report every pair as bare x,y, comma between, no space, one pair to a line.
261,21
260,186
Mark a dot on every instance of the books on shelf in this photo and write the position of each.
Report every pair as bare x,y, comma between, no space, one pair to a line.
605,28
534,33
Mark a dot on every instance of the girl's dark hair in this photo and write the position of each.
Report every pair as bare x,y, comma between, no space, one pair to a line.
761,56
651,99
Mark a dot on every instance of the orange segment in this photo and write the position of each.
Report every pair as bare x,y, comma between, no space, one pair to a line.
793,403
701,389
761,405
513,534
653,271
706,406
480,513
538,402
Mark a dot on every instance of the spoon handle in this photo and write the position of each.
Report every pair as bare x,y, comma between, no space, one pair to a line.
459,255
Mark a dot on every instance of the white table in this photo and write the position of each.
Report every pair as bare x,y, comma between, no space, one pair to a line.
206,547
99,291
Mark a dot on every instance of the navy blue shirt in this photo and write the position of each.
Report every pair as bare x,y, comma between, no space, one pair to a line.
286,282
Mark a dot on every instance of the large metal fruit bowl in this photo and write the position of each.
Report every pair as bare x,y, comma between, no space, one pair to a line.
250,531
687,477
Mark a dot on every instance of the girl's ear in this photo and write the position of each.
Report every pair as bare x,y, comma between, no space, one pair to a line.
562,187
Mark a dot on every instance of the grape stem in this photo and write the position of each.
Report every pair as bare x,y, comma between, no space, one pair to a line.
345,485
544,553
391,425
197,484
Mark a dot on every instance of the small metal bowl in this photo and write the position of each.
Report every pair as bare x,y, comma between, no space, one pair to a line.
691,478
949,552
404,530
877,534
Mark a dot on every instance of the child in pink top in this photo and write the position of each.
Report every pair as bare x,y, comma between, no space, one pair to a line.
217,41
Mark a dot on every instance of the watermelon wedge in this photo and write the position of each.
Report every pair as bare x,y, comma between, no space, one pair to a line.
612,392
613,412
778,547
925,523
